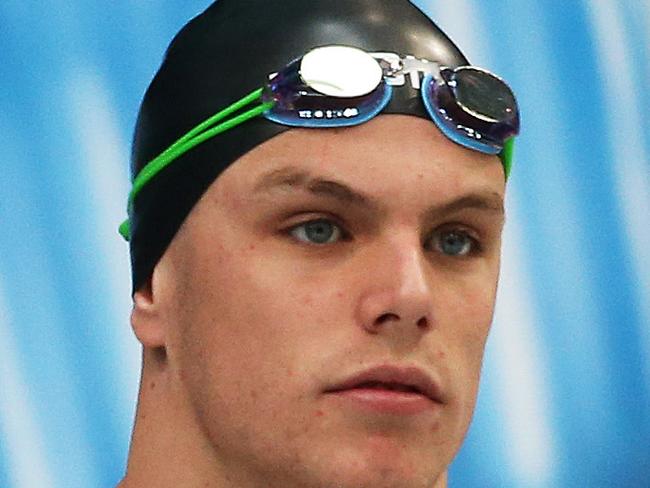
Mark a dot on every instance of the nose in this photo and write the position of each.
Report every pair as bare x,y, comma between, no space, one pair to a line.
395,293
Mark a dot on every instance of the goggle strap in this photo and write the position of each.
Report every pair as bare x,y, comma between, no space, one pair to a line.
159,163
507,154
194,137
163,159
210,121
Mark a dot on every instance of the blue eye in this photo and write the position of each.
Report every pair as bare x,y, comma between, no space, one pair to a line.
456,243
319,231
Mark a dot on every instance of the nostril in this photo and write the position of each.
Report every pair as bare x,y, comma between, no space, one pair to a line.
386,317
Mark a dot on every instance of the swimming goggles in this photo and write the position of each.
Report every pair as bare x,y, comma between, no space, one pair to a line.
342,86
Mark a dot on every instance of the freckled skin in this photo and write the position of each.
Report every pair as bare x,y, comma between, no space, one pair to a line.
255,325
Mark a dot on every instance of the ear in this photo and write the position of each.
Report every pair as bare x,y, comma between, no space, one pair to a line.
147,317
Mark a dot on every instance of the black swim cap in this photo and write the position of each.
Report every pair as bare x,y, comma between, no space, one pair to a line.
225,53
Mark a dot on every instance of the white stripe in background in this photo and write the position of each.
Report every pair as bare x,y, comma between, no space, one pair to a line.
104,173
516,356
625,123
518,361
23,443
459,19
645,36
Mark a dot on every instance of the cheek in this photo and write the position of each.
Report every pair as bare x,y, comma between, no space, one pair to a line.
475,322
248,316
465,325
253,337
470,308
231,352
232,307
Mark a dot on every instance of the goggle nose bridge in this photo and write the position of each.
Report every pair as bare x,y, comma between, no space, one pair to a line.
397,68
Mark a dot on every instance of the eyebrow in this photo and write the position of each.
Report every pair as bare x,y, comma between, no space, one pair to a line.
290,177
294,178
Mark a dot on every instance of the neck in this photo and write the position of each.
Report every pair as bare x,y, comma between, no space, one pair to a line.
166,438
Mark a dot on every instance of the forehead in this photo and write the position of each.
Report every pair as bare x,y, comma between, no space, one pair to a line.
391,156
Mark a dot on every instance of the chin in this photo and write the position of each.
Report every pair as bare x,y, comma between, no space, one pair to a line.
378,468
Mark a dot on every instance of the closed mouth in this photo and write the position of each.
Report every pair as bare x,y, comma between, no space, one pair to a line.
379,385
393,377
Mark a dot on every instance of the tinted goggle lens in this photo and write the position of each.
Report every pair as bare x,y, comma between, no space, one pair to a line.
483,93
472,107
332,86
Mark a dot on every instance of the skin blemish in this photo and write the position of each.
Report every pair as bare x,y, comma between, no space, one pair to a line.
152,385
435,427
319,413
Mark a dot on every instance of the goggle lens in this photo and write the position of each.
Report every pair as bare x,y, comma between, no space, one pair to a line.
483,94
340,71
331,86
472,107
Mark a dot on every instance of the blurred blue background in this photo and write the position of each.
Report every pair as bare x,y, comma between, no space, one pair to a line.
565,397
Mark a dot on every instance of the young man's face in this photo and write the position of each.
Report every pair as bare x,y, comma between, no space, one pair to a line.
282,286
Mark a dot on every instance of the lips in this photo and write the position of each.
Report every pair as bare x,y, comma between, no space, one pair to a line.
378,385
392,378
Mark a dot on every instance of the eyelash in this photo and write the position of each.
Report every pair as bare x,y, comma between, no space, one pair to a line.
344,234
476,247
